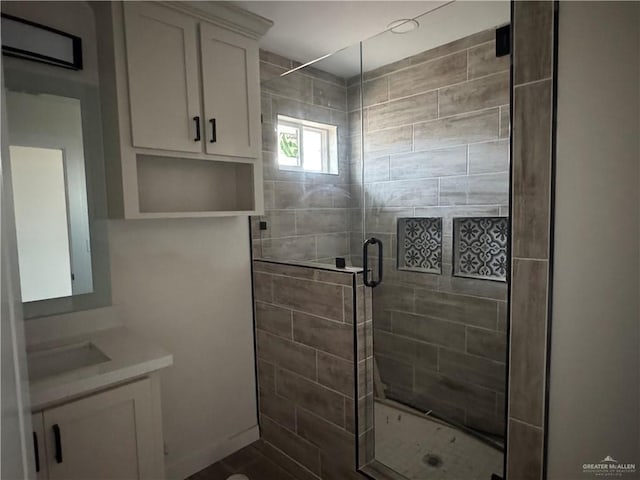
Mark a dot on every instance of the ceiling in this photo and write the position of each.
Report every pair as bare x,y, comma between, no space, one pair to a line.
307,30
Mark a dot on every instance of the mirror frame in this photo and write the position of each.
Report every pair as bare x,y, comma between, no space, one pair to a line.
89,95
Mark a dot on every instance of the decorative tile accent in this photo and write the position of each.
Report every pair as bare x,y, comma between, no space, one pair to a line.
420,244
480,247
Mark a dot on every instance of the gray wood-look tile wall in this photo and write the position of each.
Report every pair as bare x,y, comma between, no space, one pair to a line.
306,213
531,183
435,146
306,377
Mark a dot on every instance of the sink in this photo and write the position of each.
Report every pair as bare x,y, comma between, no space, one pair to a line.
56,361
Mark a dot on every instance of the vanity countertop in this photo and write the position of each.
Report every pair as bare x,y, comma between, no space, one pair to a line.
130,356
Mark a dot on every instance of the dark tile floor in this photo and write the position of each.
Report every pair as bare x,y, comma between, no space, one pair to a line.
248,461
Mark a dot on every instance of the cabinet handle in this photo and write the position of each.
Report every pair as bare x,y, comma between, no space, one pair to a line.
197,120
214,133
58,441
36,452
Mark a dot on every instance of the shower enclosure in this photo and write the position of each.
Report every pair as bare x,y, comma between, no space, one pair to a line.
392,157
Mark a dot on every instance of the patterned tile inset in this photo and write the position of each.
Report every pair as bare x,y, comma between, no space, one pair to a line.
420,244
480,247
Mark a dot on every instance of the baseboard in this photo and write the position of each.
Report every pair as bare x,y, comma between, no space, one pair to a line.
203,458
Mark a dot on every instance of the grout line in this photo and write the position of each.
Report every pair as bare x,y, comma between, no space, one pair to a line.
275,378
291,320
467,60
533,82
466,338
344,412
468,167
530,259
517,420
388,88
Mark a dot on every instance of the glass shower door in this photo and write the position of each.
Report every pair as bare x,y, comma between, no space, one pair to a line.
433,110
393,156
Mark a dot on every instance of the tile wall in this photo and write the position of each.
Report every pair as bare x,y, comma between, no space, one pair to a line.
306,213
306,368
436,144
532,185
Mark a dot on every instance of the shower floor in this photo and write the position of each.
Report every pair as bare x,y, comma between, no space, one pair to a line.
420,448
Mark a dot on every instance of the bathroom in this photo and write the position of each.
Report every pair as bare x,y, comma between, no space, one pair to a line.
357,251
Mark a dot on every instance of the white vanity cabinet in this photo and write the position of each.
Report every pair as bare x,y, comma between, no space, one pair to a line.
112,434
181,108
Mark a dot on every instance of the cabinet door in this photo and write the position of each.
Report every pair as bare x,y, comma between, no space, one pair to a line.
162,66
105,436
231,92
39,449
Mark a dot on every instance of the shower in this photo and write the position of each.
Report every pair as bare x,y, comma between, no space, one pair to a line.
392,157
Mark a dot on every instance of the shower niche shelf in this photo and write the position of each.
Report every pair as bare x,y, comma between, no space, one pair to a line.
480,248
420,244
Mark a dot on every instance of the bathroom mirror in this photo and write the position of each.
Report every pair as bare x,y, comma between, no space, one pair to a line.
57,178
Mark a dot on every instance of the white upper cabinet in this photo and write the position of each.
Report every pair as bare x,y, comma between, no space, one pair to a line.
180,96
165,89
230,81
162,65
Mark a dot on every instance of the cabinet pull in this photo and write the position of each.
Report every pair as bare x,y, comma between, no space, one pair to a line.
58,441
214,133
36,452
197,120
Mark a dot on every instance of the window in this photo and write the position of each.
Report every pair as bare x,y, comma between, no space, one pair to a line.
307,146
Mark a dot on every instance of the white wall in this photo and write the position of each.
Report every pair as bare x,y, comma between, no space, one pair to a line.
595,365
71,17
16,447
186,285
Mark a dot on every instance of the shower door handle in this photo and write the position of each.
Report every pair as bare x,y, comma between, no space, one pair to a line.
365,262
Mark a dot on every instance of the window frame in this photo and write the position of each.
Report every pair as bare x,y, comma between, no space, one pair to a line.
329,144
